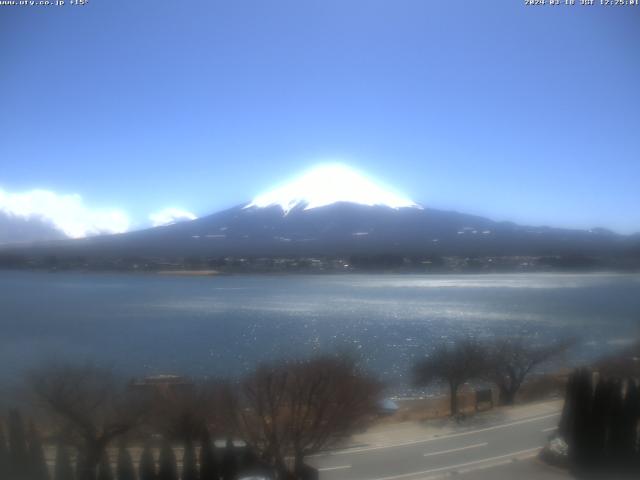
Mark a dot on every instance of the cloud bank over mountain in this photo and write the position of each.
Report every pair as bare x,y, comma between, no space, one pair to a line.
66,213
42,215
169,216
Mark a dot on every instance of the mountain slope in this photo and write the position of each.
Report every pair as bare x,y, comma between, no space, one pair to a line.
17,229
333,210
339,229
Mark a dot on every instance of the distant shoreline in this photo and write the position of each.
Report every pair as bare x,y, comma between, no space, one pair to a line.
317,273
195,273
320,265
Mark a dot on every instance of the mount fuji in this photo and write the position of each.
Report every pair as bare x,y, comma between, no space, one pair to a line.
328,184
333,210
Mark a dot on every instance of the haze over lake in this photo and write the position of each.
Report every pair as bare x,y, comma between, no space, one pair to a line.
221,326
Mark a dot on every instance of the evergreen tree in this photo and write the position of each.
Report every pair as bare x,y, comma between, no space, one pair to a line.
4,455
189,468
63,470
631,417
81,465
18,451
567,418
37,463
147,467
168,469
250,464
244,459
635,461
599,422
125,469
105,472
617,427
208,464
575,422
601,426
229,462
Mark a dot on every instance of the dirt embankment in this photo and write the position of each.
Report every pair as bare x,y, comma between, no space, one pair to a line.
539,387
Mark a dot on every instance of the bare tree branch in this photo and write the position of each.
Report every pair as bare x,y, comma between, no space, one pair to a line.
89,403
453,365
299,408
510,360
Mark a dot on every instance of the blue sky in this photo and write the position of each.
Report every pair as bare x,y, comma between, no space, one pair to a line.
518,113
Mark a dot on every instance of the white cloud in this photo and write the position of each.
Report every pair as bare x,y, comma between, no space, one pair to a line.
67,212
169,216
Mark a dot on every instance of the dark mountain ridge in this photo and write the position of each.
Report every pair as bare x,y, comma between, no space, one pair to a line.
16,229
339,229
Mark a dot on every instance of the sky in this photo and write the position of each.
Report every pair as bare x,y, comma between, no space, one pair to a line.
123,113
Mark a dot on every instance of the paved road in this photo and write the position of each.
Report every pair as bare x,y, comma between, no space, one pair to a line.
529,469
469,453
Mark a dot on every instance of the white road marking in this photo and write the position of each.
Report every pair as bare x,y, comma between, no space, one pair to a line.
451,450
549,429
459,465
339,467
432,439
486,466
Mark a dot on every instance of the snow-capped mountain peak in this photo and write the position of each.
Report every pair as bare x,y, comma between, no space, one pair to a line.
327,184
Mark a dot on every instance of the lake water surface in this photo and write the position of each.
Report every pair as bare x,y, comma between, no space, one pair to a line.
224,325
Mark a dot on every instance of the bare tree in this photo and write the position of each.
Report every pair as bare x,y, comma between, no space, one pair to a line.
453,365
124,468
18,448
89,404
37,461
623,363
4,454
147,465
510,360
294,410
185,413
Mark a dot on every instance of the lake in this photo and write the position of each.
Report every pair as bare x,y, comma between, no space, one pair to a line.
225,325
